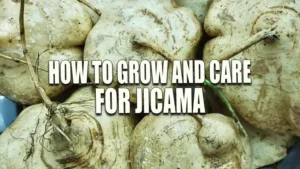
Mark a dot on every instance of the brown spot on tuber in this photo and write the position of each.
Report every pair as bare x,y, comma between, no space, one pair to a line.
296,109
260,68
152,15
226,16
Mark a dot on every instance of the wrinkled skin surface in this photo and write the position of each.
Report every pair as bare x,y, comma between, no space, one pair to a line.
272,101
98,141
267,147
53,31
175,30
211,141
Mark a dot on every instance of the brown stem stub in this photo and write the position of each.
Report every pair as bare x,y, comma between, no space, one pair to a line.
143,40
260,36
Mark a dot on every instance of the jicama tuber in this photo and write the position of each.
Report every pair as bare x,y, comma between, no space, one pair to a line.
67,135
272,100
55,30
139,30
267,147
211,141
97,141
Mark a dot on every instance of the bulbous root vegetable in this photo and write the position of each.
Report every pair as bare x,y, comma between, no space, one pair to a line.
272,101
210,141
54,32
267,147
174,34
67,135
98,141
131,41
262,35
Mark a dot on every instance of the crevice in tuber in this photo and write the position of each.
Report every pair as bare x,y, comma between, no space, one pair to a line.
89,5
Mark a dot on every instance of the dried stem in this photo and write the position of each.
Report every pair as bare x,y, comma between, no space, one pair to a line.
52,107
18,61
234,50
89,5
13,59
143,40
34,77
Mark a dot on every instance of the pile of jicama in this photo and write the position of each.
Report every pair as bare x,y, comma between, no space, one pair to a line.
247,127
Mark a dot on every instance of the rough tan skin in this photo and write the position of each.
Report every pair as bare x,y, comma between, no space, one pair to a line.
175,30
98,141
267,147
211,141
200,7
49,25
98,5
272,101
